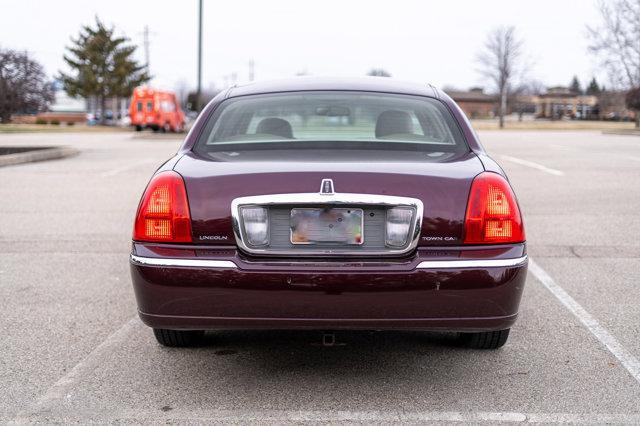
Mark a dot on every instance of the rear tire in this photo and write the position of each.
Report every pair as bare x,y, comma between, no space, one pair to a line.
178,338
485,339
138,128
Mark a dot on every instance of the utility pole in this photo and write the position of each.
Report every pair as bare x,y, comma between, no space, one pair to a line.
146,42
251,70
199,91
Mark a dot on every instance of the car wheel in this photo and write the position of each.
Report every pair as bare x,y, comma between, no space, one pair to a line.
178,338
166,128
138,128
485,339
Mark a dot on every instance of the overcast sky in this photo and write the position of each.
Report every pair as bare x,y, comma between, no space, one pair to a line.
424,41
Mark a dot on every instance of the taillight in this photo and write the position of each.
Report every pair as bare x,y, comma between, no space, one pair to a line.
163,213
492,215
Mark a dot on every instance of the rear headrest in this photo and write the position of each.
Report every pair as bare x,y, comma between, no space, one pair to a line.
275,126
392,122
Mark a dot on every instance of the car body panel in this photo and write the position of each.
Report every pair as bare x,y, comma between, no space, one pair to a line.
443,187
342,293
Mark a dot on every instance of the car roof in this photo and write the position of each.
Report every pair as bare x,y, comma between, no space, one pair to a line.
364,84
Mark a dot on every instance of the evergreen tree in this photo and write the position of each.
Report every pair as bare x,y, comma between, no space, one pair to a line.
593,89
575,86
102,66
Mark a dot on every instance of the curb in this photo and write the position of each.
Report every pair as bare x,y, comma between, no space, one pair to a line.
159,136
622,132
48,153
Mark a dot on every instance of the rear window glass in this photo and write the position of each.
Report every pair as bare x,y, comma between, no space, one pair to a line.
332,120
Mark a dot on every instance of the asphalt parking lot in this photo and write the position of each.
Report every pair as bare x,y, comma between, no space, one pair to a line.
73,348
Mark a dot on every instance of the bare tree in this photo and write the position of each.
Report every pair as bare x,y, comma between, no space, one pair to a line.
633,103
23,85
617,43
500,62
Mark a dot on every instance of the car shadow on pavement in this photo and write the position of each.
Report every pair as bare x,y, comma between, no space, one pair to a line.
298,364
297,350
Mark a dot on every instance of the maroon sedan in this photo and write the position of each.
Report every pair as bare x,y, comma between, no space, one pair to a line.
330,204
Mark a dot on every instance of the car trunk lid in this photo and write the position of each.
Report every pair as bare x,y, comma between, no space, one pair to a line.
443,188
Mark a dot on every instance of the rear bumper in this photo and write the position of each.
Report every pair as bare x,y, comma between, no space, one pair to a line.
454,289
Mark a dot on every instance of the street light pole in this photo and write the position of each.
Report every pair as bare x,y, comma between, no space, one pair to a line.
199,91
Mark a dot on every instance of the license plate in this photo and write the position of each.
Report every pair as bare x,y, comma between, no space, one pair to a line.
326,226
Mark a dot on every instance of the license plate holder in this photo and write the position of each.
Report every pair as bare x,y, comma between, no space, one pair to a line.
329,226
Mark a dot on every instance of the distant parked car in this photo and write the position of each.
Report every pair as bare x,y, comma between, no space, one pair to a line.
156,110
330,204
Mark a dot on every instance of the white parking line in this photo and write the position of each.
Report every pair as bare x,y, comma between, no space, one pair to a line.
130,166
533,165
266,416
60,389
625,357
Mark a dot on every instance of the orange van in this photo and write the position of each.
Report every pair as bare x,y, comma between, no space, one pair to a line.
156,110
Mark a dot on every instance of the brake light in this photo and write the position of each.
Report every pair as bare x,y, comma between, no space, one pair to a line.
163,213
492,215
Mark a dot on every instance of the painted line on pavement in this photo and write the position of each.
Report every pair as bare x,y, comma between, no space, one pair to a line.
242,416
625,357
60,389
532,165
118,170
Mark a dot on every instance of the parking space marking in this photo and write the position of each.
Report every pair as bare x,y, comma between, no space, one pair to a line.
625,357
118,170
532,165
337,416
66,383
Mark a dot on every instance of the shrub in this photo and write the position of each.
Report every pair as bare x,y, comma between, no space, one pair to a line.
55,122
70,123
41,121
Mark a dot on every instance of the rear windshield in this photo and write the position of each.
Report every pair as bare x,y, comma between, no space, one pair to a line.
320,121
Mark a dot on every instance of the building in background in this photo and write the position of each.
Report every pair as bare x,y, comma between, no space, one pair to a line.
64,108
474,102
561,102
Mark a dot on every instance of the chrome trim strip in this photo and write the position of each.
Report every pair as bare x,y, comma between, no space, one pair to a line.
335,199
472,263
194,263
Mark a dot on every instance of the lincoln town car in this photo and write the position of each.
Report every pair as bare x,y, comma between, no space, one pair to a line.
328,204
